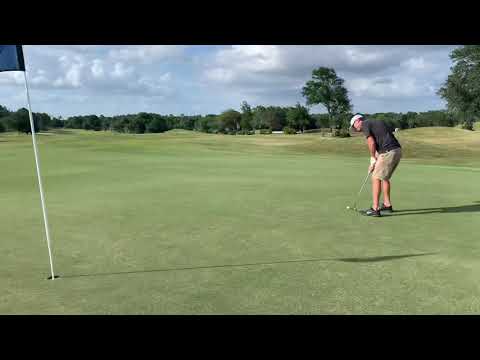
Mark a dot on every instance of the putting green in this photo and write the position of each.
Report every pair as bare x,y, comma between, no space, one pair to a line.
206,224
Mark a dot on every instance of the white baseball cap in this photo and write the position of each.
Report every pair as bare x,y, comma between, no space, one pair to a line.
355,118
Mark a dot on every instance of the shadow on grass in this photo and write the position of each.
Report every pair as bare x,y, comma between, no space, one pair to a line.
380,258
353,260
439,210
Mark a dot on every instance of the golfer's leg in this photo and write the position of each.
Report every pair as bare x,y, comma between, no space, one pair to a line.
386,192
376,188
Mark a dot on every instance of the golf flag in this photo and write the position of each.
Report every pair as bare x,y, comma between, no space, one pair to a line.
11,58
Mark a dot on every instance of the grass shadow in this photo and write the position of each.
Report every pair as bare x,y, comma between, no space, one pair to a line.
439,210
381,258
353,260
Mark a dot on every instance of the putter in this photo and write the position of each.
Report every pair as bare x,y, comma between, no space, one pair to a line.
354,207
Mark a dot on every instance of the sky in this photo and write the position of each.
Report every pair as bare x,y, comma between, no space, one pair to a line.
67,80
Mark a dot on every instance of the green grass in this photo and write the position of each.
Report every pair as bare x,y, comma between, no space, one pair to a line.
194,223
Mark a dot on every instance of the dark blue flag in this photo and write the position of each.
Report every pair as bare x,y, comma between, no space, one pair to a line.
11,58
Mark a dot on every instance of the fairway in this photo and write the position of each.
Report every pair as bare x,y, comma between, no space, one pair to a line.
191,223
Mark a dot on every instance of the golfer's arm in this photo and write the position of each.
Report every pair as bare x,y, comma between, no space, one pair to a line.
372,146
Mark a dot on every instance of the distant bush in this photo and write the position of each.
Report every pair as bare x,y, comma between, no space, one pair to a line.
467,125
289,131
2,128
231,132
342,133
245,132
265,131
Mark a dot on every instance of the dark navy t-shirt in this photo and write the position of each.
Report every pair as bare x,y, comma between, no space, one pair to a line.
384,138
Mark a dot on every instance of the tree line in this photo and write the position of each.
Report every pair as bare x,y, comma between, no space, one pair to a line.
263,118
20,121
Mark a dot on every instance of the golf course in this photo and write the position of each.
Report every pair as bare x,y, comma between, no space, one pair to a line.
184,222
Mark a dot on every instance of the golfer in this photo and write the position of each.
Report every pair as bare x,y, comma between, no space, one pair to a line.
385,155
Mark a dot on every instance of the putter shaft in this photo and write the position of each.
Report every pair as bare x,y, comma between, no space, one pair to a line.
361,189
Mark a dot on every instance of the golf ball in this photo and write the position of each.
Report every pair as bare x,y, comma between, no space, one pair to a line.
348,207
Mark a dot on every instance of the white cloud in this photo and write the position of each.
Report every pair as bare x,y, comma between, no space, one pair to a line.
12,78
256,58
97,69
415,64
220,74
121,71
395,87
166,77
146,53
74,74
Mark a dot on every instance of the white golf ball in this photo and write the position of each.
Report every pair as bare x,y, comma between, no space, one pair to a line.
348,207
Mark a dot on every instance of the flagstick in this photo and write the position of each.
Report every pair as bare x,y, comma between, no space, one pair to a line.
37,162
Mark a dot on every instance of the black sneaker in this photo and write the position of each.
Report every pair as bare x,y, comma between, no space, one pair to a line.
371,212
386,209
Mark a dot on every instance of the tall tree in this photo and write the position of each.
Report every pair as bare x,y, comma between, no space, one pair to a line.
298,117
461,90
327,88
230,120
275,117
246,122
3,111
21,121
259,121
157,124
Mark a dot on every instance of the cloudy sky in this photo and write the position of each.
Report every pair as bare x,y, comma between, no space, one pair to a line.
167,79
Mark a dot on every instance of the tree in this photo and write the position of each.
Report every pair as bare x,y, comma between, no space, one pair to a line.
298,117
157,125
208,123
246,121
258,121
321,120
275,117
461,90
4,111
119,124
137,124
75,122
106,122
92,122
230,120
20,121
58,122
327,89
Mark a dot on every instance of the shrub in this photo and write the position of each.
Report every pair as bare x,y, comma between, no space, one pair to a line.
467,125
342,133
289,131
245,132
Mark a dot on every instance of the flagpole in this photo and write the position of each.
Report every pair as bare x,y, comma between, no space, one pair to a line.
37,162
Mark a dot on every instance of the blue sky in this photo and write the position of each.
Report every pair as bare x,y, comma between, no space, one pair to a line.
68,80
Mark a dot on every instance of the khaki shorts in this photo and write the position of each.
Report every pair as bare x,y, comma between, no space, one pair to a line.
386,164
